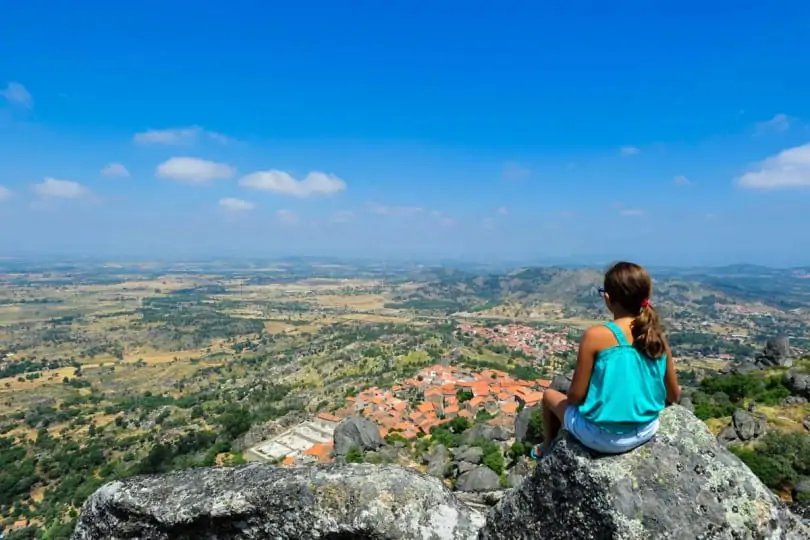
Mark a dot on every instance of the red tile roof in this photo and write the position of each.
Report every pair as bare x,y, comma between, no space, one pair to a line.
320,451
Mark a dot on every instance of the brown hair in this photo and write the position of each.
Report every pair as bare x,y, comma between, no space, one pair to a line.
630,286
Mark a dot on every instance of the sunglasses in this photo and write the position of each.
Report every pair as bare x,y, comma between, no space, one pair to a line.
601,291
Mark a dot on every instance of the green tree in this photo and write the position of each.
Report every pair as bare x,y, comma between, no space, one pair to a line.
534,431
354,455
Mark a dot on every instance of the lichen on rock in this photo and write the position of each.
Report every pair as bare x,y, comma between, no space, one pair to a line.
262,501
682,484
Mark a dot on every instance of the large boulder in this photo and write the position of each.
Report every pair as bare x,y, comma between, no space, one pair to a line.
798,382
262,501
776,353
748,426
485,432
562,383
479,479
522,422
471,454
438,461
356,431
745,426
682,484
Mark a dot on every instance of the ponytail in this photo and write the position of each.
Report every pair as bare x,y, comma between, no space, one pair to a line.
648,334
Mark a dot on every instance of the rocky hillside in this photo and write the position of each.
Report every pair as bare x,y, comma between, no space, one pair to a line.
684,484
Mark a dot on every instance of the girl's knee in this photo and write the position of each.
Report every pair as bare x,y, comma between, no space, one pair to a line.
551,397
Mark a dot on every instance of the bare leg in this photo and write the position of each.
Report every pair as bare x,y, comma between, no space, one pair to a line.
554,405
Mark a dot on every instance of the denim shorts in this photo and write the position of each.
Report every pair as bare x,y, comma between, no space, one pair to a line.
603,441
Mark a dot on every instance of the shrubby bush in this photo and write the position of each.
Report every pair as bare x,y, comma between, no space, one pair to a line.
778,458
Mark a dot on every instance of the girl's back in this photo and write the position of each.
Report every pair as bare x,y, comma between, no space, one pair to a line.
626,388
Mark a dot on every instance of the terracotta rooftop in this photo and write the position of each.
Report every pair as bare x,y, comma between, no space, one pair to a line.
320,451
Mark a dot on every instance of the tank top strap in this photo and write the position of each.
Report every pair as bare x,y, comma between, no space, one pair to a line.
617,333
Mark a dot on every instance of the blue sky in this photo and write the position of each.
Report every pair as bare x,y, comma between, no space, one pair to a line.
673,133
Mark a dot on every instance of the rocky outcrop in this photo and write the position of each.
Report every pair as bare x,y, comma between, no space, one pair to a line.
470,454
356,431
776,353
479,479
745,426
798,383
438,461
522,423
261,501
486,433
562,383
682,484
519,472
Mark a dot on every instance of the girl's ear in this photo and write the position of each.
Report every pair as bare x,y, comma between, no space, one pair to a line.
607,301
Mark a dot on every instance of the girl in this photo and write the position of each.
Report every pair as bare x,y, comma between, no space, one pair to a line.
624,374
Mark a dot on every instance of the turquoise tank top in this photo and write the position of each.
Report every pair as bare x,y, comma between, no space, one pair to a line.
626,389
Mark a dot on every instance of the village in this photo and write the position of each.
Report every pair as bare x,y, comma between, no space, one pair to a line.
533,342
410,409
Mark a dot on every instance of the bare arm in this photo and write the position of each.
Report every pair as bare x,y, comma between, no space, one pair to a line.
671,380
588,348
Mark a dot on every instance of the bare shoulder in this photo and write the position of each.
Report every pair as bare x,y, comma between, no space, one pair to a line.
598,336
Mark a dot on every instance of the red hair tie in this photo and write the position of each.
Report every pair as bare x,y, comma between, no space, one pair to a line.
645,303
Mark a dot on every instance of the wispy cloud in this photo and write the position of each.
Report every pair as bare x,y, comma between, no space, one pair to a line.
681,180
386,210
16,94
627,151
287,217
236,206
194,170
60,189
314,184
5,193
513,171
181,136
115,170
631,212
779,123
788,169
502,211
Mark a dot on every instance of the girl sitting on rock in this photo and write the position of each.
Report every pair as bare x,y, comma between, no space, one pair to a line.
624,374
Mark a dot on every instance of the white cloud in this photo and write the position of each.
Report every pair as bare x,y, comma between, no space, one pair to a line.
17,94
488,223
779,123
115,170
178,136
60,189
632,212
287,217
5,193
788,169
627,151
231,204
385,210
502,211
513,171
681,180
194,170
315,183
